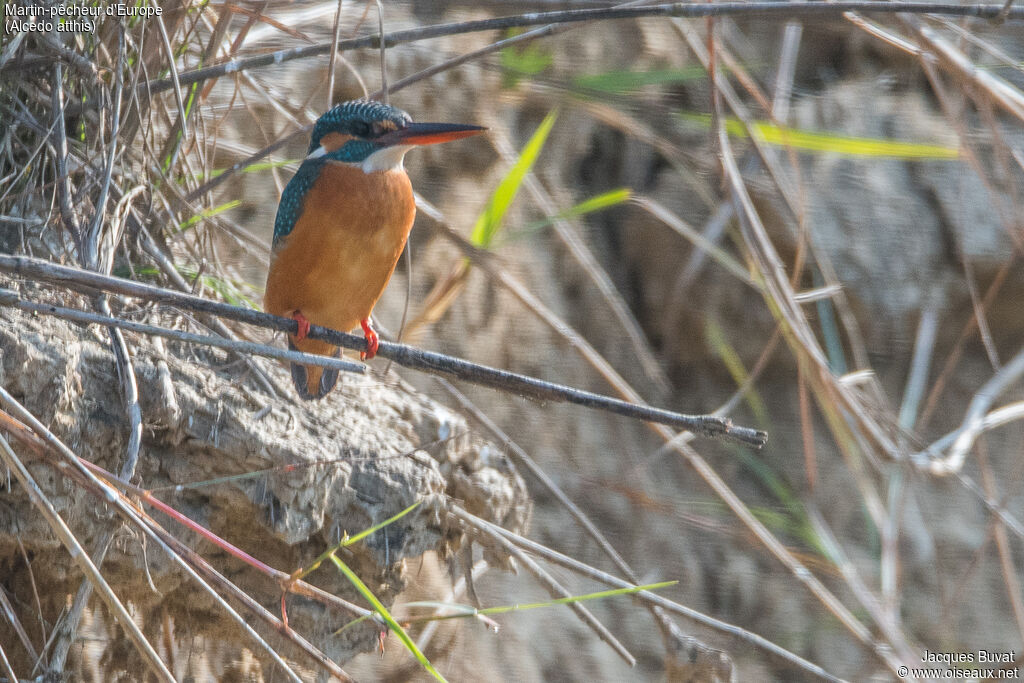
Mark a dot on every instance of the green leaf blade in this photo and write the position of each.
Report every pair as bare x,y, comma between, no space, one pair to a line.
490,221
386,616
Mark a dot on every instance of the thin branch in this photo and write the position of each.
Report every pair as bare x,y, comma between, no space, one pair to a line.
1003,93
976,421
523,460
490,530
170,270
1006,561
588,262
462,585
11,298
5,667
92,236
383,53
8,611
79,557
426,361
556,590
868,600
334,54
777,288
34,434
67,212
780,10
68,627
482,260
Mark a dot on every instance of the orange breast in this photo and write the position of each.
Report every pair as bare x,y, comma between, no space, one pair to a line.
337,260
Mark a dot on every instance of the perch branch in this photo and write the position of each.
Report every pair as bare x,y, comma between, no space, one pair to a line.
171,272
783,10
426,361
11,299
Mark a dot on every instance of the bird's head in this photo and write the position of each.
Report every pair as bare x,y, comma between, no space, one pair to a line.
376,135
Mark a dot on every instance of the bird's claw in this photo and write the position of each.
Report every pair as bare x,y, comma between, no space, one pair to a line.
372,341
303,324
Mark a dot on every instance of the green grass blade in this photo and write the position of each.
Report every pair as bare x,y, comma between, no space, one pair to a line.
794,520
617,82
383,612
601,201
844,145
251,168
523,61
377,527
489,222
468,611
208,213
596,203
720,345
349,540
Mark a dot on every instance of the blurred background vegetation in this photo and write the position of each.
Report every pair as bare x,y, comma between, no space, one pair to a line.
823,243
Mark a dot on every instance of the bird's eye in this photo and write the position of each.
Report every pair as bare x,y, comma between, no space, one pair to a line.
360,129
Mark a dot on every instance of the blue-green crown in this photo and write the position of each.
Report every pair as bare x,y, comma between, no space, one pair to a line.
360,118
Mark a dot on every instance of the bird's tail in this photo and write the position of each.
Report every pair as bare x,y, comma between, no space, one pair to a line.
313,381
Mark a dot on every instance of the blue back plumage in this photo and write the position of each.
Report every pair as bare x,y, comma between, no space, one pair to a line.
294,196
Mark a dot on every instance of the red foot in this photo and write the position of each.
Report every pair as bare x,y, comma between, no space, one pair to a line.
372,342
303,325
380,642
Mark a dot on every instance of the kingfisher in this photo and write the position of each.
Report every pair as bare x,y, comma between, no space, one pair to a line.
341,225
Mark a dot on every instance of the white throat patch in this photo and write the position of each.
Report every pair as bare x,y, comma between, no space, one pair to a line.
387,159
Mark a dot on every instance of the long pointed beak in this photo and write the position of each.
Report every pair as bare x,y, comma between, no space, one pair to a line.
429,133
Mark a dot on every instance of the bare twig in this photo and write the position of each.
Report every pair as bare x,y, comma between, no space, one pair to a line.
168,268
556,590
67,212
89,476
332,64
834,551
175,82
783,10
571,238
493,530
383,52
79,556
5,667
776,286
12,617
436,363
975,422
462,585
92,236
11,298
523,459
68,627
1006,561
1004,94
